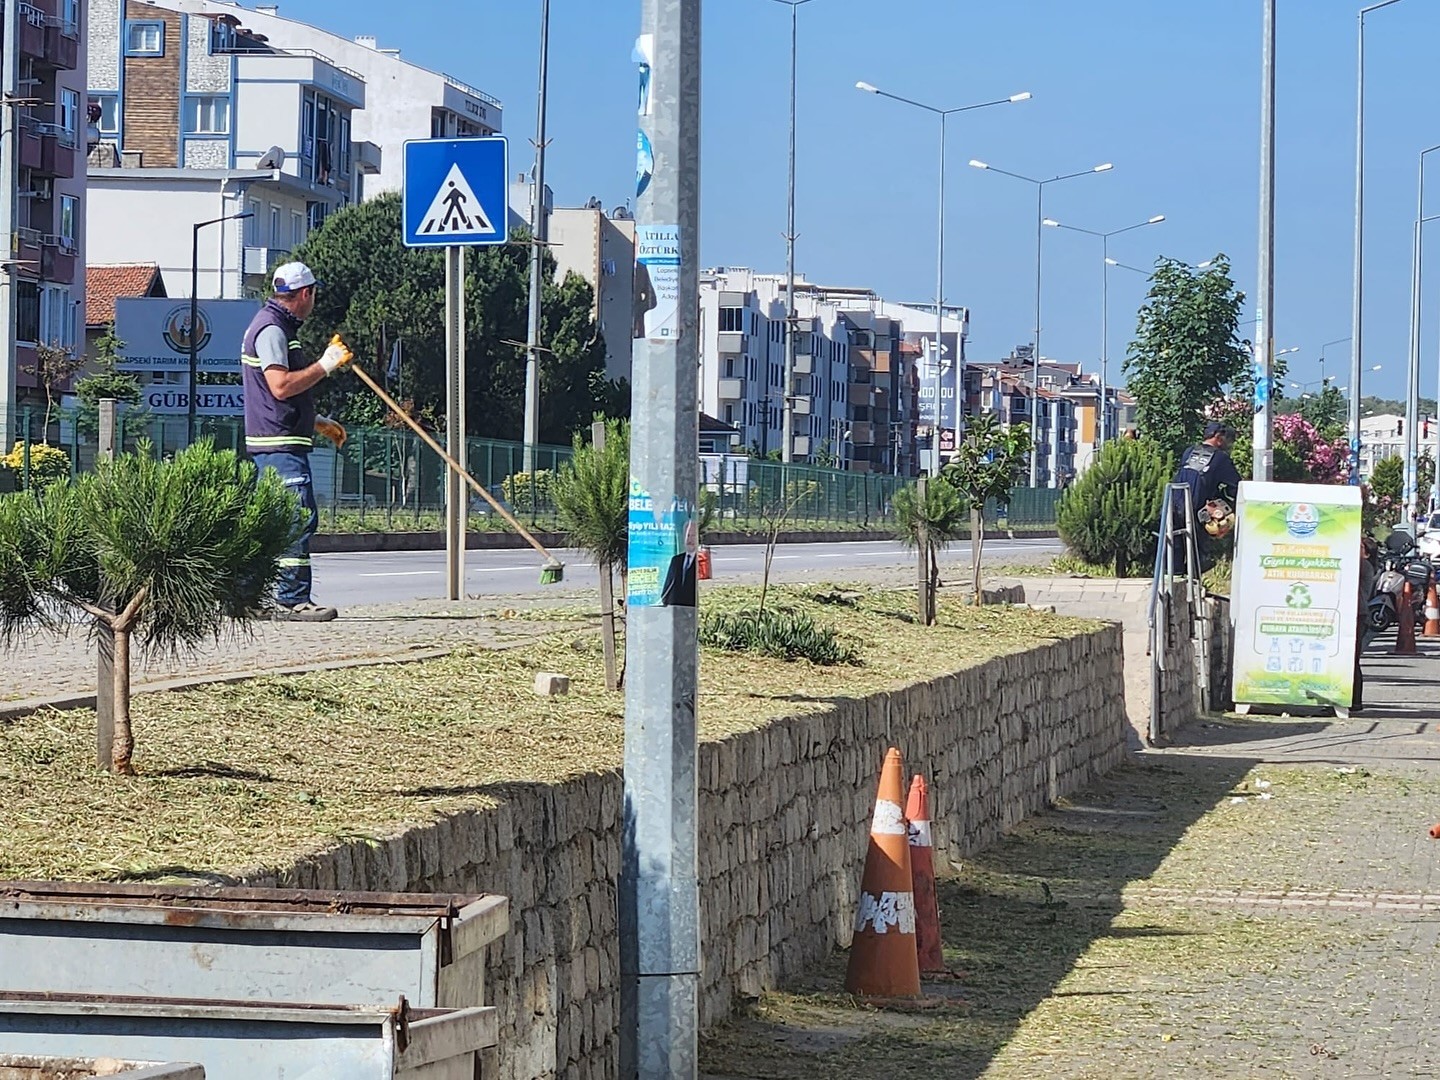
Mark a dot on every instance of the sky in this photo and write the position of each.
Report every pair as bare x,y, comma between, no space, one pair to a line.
1167,90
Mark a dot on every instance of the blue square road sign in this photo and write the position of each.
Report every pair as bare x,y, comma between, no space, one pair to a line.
456,192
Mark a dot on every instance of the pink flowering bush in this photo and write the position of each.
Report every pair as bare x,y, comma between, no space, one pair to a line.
1320,460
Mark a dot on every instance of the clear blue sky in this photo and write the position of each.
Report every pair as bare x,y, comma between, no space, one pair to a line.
1167,90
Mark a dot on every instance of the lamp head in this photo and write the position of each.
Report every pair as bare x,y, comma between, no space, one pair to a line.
1021,97
1156,219
1104,168
978,164
867,87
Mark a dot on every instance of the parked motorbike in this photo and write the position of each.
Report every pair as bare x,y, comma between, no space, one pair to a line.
1401,564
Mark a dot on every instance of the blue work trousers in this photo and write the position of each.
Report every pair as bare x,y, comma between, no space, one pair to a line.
293,586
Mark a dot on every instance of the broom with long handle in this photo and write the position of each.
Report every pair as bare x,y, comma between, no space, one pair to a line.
554,570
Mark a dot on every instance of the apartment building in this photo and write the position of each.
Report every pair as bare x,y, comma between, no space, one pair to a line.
600,247
47,192
201,118
408,101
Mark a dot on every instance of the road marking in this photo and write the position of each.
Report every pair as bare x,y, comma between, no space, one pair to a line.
404,573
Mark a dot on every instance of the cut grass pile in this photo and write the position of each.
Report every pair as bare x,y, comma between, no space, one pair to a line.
261,773
1079,954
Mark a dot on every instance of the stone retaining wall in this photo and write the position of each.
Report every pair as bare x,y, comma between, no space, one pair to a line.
784,814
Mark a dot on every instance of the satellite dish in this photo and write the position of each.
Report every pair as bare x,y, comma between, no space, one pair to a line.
274,158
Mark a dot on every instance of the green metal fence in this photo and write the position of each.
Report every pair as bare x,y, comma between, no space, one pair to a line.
389,480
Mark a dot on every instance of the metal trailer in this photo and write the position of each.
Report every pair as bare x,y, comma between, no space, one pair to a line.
233,944
16,1067
238,1040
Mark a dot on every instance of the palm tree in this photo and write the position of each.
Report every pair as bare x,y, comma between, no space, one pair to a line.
169,552
592,498
931,524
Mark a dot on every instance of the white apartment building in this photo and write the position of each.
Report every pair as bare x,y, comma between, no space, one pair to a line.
408,101
201,119
600,247
742,364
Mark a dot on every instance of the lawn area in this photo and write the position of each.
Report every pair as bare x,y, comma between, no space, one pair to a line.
260,773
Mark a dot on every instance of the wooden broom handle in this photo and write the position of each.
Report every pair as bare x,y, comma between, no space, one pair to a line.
409,421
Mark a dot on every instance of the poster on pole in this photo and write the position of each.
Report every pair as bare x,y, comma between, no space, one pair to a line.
1295,595
657,283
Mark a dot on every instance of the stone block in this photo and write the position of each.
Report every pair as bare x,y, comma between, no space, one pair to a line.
551,684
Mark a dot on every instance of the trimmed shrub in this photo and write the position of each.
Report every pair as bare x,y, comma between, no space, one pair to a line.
1111,515
776,633
529,491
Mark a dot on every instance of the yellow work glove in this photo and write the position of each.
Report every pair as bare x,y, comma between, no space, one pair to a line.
332,430
336,356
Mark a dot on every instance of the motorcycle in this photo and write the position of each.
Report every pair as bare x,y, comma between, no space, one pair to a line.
1401,564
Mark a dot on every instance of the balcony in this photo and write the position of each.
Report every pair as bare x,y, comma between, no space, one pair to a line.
861,394
32,31
800,406
731,389
62,46
57,259
57,151
802,446
732,341
862,433
31,154
259,260
26,248
804,364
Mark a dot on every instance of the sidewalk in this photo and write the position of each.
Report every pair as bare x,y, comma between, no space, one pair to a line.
1258,900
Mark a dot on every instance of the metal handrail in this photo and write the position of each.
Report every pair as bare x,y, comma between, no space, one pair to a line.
465,87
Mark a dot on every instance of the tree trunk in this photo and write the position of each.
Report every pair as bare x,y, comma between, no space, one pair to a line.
933,597
977,546
624,657
923,575
771,539
607,626
124,743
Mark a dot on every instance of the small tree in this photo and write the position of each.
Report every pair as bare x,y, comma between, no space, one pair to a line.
54,366
170,552
106,380
987,465
591,494
931,525
1111,513
775,507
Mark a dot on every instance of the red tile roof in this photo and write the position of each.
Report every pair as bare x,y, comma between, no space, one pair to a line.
106,284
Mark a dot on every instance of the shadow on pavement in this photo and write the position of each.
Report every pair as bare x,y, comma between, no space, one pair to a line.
1015,919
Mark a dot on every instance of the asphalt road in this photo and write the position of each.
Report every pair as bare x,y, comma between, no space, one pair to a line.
397,577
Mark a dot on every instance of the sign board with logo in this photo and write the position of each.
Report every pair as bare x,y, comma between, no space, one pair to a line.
156,332
1295,597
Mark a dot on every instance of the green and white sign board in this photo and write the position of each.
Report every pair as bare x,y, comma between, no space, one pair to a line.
1295,594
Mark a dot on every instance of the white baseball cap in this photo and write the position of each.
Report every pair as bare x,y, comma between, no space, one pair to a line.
293,276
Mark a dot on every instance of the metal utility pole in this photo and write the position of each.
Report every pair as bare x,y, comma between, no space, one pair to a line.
1357,299
1264,461
540,231
659,892
9,173
194,349
457,496
787,449
1412,380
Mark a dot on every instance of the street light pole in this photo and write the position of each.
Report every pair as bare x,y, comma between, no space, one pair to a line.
539,233
1039,238
1263,462
1412,372
787,400
195,314
659,897
938,355
1357,300
1100,433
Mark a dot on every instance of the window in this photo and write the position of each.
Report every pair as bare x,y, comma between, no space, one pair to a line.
67,220
729,367
145,38
343,138
27,311
252,224
109,123
70,17
732,320
67,115
222,36
57,316
275,240
207,115
297,229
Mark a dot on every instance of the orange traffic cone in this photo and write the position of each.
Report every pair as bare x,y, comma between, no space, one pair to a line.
1432,611
1405,632
883,957
922,872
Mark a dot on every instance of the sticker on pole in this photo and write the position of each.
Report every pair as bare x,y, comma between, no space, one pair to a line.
658,255
455,192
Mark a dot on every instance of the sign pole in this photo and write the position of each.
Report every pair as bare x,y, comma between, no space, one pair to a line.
456,496
659,893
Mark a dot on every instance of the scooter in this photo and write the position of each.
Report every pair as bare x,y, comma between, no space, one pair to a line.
1401,565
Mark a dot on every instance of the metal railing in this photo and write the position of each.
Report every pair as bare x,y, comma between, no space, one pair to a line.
388,480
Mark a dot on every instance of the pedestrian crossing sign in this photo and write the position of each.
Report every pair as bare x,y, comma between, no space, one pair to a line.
455,192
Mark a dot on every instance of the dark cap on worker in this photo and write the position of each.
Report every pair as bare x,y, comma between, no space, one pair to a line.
1219,427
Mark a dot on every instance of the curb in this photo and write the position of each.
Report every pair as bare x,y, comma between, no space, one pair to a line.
11,711
354,543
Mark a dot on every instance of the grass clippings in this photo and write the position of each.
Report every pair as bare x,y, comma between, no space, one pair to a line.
261,773
1087,944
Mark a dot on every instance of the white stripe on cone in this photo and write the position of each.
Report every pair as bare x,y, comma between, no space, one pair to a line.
889,819
890,909
920,834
